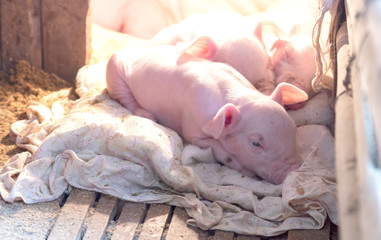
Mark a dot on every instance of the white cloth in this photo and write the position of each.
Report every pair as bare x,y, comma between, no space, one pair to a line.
98,145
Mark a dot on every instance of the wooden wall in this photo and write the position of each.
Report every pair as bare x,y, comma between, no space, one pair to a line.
51,34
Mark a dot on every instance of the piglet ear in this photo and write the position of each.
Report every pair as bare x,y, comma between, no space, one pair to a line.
286,94
280,43
227,117
202,47
258,31
258,34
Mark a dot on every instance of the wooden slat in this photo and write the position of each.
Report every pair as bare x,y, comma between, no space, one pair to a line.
244,237
283,236
364,30
66,36
97,223
223,235
345,152
178,229
128,221
322,234
20,36
155,222
72,215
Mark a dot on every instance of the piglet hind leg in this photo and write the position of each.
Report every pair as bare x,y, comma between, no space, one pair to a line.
141,112
117,88
127,99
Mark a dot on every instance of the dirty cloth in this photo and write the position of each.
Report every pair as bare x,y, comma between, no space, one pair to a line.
98,145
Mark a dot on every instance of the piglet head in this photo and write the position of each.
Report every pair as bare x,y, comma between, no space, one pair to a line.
246,54
293,62
259,134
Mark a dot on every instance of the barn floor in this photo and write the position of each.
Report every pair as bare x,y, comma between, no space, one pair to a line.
88,215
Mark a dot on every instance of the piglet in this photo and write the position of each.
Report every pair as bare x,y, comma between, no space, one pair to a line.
293,61
227,37
211,105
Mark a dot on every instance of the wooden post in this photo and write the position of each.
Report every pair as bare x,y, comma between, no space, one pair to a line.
65,36
20,32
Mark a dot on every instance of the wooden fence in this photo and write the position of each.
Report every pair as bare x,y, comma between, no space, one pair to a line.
51,34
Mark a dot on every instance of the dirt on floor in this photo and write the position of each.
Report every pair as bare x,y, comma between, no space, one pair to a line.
22,84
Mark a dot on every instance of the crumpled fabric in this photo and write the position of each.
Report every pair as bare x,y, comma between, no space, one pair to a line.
100,146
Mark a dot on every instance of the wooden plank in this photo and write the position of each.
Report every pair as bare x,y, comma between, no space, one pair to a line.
128,221
322,234
283,236
20,36
365,32
154,223
66,36
72,215
223,235
178,229
245,237
98,221
345,152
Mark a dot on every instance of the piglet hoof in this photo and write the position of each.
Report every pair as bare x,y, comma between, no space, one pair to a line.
145,114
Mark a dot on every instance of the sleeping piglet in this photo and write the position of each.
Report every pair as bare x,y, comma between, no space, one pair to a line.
211,105
226,37
294,62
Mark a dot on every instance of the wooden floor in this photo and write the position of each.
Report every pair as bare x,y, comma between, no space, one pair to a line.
89,215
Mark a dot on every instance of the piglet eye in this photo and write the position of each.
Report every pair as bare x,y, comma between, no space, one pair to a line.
256,144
